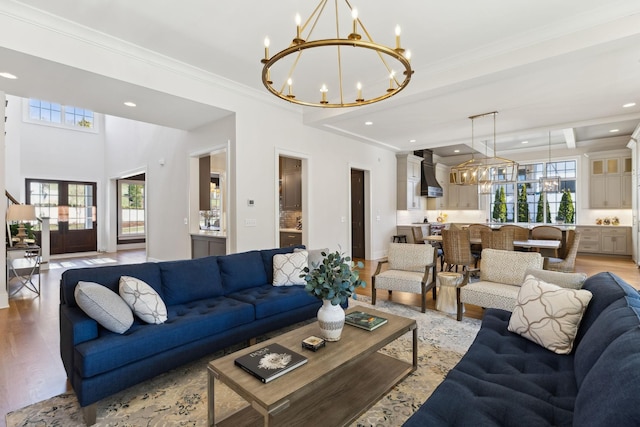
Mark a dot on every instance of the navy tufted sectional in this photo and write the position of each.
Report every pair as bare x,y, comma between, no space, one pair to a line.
507,380
212,303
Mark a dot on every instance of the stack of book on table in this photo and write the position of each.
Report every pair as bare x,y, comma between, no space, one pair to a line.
270,362
364,320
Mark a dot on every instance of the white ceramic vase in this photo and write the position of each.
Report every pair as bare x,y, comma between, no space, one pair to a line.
331,320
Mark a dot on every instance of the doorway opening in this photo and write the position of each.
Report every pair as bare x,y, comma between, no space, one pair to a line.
358,240
290,201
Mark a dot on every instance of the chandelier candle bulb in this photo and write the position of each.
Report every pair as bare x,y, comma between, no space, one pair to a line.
359,98
323,91
298,39
290,84
266,48
391,78
354,34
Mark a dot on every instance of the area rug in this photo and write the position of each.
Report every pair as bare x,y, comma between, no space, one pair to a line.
179,397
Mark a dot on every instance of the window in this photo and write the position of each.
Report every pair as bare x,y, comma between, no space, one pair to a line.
131,223
60,115
524,201
45,196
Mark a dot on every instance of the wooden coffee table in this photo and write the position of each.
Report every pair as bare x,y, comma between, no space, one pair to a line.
338,383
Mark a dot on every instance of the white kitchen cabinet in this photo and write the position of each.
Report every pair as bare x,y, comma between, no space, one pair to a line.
408,191
610,240
462,197
610,183
615,241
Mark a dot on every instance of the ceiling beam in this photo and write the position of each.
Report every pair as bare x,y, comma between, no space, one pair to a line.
570,137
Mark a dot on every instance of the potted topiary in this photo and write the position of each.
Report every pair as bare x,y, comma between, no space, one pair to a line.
333,281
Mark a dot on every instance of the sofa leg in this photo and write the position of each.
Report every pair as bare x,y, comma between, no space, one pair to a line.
458,305
252,341
89,414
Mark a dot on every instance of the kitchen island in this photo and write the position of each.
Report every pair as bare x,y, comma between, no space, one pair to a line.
208,243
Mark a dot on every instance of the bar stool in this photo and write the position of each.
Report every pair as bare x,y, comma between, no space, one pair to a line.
400,238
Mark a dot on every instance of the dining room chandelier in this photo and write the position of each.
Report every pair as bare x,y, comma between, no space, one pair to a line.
343,62
549,184
488,171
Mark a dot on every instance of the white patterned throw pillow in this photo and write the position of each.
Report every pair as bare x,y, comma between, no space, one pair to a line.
143,300
287,268
548,314
104,306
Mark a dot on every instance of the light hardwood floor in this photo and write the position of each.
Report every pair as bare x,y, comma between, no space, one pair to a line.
32,370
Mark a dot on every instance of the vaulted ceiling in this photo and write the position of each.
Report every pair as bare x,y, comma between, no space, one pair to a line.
560,69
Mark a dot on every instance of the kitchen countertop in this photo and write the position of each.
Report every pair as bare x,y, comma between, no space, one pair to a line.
290,230
210,233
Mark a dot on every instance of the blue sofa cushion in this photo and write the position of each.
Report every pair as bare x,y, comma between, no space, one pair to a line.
187,323
241,271
609,392
108,276
190,280
503,379
607,289
267,258
270,300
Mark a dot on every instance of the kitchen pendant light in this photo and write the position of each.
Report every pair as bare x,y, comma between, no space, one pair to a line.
549,184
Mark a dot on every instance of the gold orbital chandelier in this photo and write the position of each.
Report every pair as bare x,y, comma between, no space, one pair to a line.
344,61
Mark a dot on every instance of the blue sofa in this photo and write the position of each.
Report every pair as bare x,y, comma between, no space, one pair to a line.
507,380
211,303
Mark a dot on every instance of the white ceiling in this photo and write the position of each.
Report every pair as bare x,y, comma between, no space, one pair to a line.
546,66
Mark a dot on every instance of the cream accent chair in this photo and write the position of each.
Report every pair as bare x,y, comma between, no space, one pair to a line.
501,274
410,268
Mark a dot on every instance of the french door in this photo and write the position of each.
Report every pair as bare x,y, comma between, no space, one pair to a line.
71,207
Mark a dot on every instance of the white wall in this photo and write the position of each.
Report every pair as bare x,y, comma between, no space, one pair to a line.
134,146
4,296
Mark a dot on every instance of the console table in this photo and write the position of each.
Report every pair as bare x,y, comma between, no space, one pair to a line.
23,264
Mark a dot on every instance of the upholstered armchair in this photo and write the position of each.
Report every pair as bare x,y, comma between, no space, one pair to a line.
410,268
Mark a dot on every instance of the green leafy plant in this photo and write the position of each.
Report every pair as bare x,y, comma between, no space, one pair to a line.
334,278
500,206
543,203
523,205
566,211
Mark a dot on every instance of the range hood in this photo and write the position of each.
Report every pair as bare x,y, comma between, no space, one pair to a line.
428,183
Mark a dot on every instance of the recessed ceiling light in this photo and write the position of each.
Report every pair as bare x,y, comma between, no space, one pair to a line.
368,123
456,151
130,104
614,130
8,76
525,142
629,104
412,140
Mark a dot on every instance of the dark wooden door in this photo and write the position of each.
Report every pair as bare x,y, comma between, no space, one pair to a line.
71,209
357,214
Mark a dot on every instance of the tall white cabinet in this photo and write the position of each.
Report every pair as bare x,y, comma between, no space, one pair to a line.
408,194
610,183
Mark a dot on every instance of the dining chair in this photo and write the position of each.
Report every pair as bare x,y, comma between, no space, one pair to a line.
497,239
547,232
519,233
411,268
568,263
418,237
474,235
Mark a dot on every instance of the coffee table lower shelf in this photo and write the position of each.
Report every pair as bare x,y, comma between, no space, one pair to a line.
338,401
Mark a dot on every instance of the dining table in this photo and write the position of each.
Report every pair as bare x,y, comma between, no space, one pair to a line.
531,243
